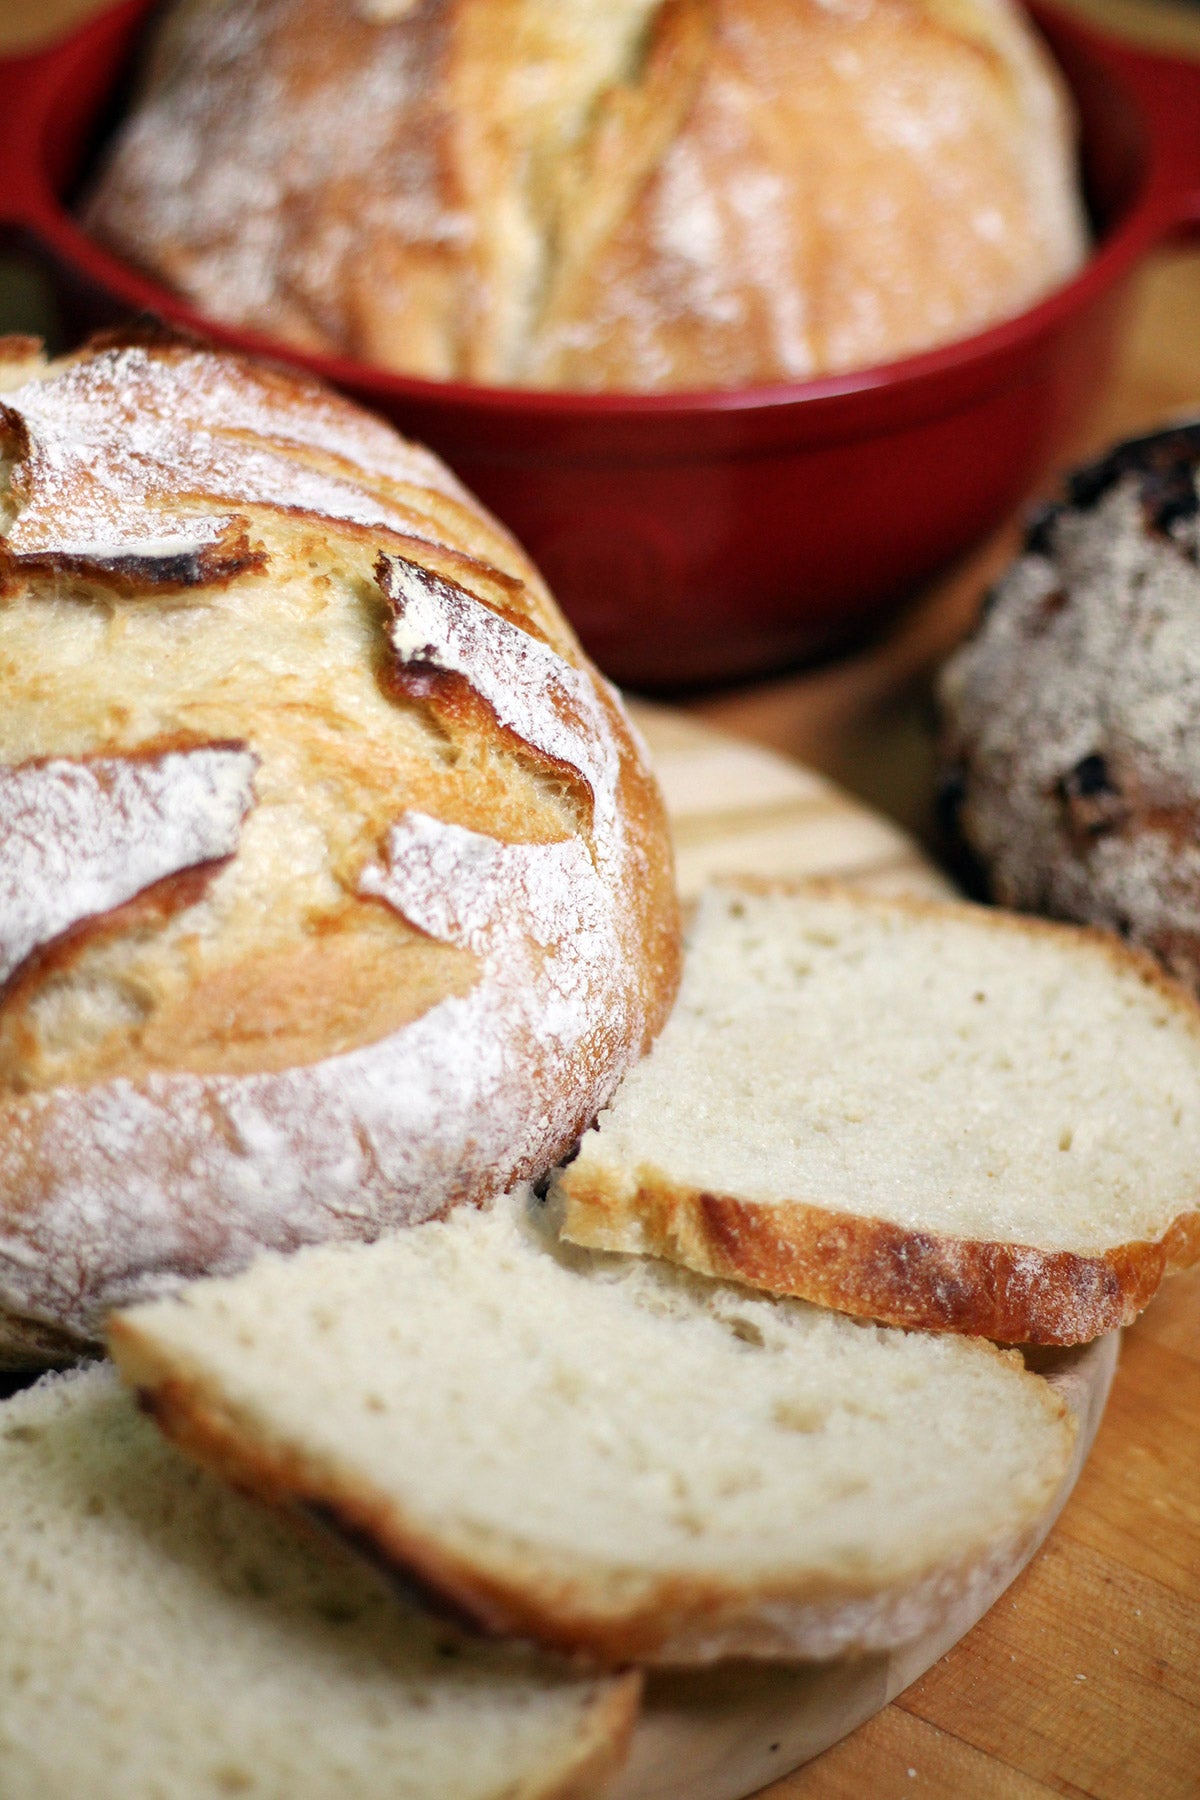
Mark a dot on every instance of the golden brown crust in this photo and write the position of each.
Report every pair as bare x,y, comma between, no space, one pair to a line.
578,1612
1011,1293
449,920
676,200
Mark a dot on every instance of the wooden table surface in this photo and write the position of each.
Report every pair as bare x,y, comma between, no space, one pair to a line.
1085,1679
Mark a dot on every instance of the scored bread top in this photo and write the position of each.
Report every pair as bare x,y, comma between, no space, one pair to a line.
637,194
336,888
163,1635
609,1454
936,1115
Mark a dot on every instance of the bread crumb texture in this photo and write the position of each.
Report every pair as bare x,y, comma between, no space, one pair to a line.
275,688
164,1635
939,1066
609,1453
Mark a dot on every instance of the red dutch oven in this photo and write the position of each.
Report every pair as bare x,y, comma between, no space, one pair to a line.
701,537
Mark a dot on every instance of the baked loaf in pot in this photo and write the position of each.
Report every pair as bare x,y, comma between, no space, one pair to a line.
600,194
334,889
1071,775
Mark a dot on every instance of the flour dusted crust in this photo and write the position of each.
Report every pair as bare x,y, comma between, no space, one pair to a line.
1071,774
335,890
639,194
81,838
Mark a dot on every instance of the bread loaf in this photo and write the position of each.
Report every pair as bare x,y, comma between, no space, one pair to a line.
1071,717
609,1455
931,1114
333,886
164,1636
600,194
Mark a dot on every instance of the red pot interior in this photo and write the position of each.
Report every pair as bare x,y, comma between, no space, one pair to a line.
705,537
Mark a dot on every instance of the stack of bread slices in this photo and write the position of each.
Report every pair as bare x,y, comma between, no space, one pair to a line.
721,1388
335,903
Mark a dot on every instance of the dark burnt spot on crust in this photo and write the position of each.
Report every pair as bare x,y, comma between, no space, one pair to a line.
948,801
133,575
1089,777
1164,464
1092,799
1048,609
1040,532
949,809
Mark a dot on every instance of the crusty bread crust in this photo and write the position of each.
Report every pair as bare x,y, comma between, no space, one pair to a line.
628,220
873,1268
655,1620
1012,1293
490,934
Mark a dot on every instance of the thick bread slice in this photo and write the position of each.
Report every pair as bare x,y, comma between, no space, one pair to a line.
933,1115
609,1455
162,1636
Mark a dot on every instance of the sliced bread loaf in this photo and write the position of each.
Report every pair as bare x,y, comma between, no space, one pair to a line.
933,1115
164,1637
609,1455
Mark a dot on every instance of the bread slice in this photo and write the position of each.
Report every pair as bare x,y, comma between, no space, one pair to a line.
165,1637
932,1115
609,1455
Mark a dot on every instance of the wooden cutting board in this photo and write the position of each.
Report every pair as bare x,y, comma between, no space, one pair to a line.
1084,1679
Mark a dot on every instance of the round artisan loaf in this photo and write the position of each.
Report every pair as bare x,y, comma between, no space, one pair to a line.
1070,720
334,889
600,194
